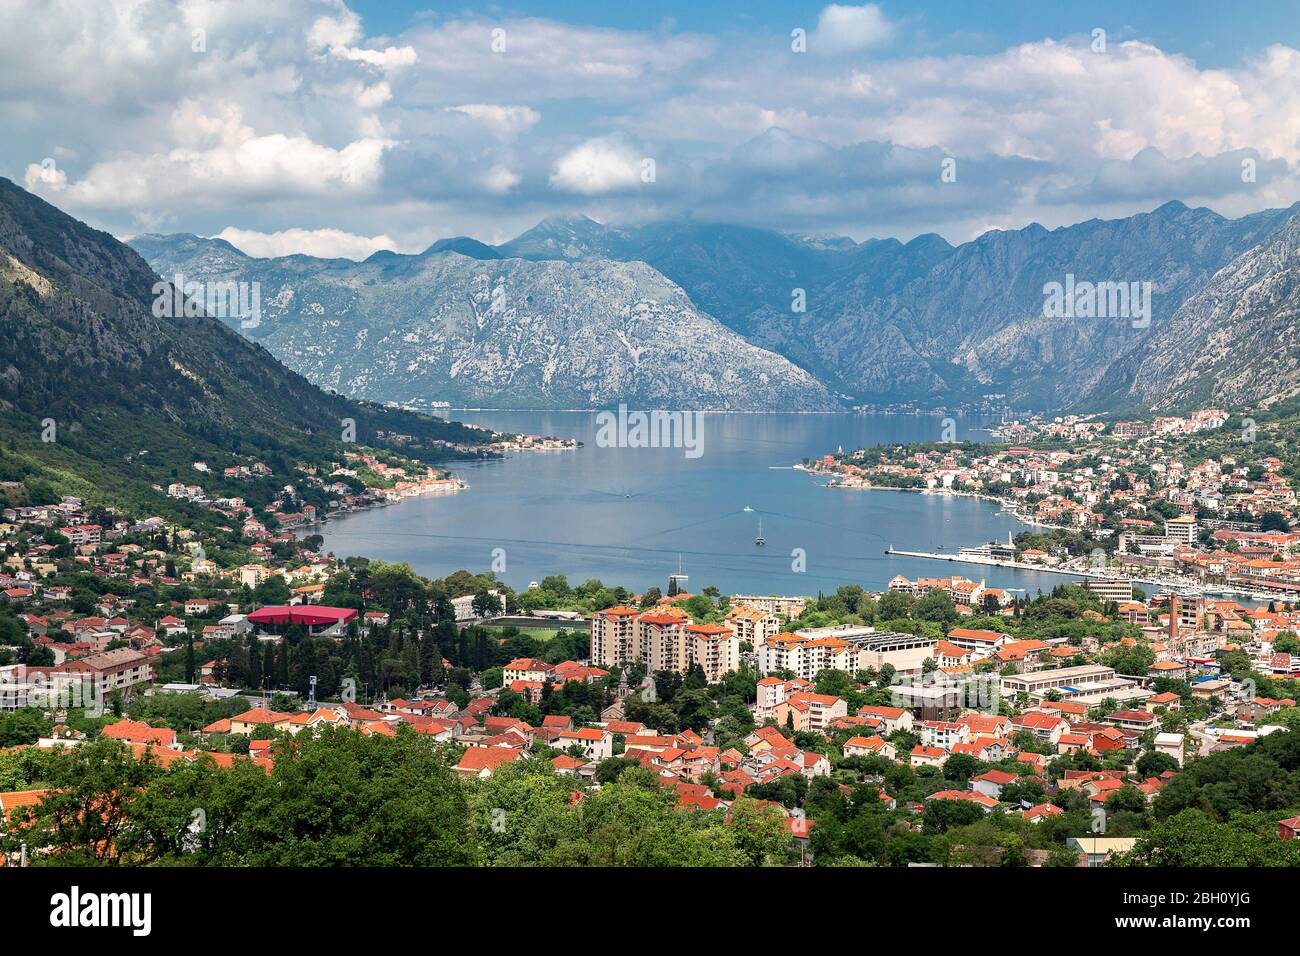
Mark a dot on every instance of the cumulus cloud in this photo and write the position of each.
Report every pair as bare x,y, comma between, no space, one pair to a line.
323,243
388,58
844,29
45,175
225,157
598,166
338,34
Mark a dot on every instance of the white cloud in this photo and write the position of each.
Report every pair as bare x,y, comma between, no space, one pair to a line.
338,30
500,179
844,29
505,122
45,175
598,166
549,59
323,243
373,97
223,157
388,58
339,33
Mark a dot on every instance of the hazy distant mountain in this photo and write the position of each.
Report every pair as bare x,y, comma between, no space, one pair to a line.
882,320
496,332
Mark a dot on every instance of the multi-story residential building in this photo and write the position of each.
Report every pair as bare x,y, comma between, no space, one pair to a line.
44,687
662,638
113,670
80,534
1182,529
463,606
753,626
943,733
527,669
983,642
963,591
614,637
892,719
869,747
596,744
714,647
790,607
817,710
808,653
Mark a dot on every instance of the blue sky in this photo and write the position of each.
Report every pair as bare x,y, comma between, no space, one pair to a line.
1214,33
339,128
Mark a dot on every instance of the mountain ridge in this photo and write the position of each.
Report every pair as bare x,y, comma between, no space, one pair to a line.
886,321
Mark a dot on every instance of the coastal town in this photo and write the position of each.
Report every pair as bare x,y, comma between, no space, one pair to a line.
936,721
1197,503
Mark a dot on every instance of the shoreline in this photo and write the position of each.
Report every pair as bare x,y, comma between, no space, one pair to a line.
1005,509
1183,586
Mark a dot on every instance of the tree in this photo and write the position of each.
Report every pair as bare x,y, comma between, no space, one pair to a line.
486,604
1153,763
1190,838
960,767
1274,521
760,831
942,815
84,818
936,606
358,804
23,727
894,605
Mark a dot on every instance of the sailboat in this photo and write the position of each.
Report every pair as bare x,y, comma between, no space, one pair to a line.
759,540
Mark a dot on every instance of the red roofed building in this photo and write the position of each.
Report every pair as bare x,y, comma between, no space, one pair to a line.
319,620
484,761
971,796
991,783
136,732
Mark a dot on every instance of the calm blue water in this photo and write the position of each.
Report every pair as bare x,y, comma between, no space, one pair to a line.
626,515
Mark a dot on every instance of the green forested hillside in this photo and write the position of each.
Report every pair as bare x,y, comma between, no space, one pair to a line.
129,397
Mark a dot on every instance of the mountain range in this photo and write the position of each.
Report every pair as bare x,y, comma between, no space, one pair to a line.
575,313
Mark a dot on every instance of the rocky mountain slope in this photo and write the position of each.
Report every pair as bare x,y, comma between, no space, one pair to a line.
925,320
502,332
1235,342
